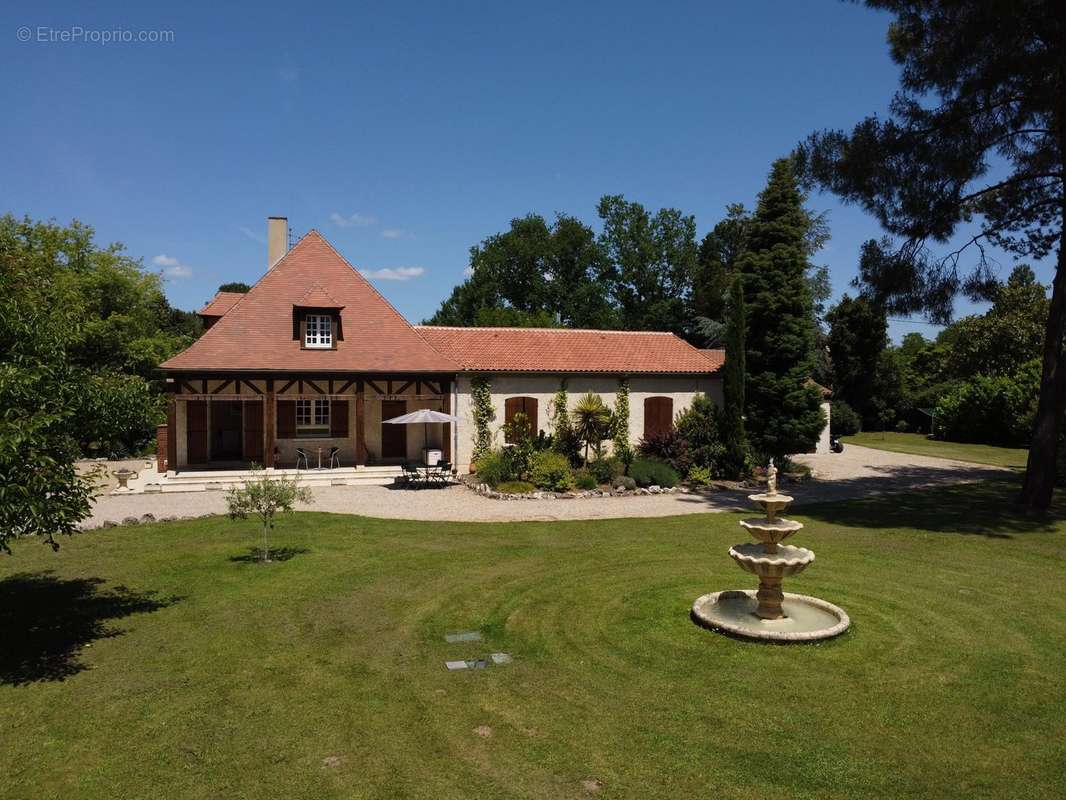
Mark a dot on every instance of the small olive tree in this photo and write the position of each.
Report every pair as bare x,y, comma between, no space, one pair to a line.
264,497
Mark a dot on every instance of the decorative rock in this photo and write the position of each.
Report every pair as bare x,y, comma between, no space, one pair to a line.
108,523
147,517
131,521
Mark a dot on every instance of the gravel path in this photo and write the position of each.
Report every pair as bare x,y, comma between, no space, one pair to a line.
856,472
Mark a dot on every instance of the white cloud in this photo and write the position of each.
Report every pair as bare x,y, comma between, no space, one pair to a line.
393,233
172,267
178,271
393,273
468,272
352,220
255,237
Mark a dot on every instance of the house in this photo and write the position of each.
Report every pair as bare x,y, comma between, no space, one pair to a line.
314,357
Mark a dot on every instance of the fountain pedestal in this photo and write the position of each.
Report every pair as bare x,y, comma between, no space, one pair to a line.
774,614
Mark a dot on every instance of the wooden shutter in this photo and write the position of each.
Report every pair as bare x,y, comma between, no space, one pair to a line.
658,416
253,431
520,405
333,330
286,419
196,431
338,419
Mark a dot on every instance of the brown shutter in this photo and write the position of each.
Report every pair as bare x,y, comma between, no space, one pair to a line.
303,331
286,419
511,406
530,410
521,405
333,334
338,419
658,416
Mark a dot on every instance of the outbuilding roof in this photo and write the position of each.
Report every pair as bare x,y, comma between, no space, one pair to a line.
573,351
220,304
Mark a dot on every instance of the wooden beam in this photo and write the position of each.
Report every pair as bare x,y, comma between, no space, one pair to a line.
221,386
345,387
286,387
172,433
314,386
360,427
403,388
189,387
251,385
270,415
446,445
375,387
434,388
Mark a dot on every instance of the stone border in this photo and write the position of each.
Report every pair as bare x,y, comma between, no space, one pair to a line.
784,637
485,490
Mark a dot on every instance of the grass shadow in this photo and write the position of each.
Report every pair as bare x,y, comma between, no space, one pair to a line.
45,621
986,508
276,554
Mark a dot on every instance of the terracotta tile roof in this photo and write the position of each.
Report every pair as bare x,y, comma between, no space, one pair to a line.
317,297
220,304
563,350
256,333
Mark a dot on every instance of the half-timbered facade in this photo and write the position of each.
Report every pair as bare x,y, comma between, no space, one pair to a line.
314,358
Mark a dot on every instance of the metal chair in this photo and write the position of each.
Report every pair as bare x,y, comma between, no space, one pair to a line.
334,457
301,455
411,476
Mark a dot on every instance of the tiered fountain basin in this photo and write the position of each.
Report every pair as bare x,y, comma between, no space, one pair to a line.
807,619
769,613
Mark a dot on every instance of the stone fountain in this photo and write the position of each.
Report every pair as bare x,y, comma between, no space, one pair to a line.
770,613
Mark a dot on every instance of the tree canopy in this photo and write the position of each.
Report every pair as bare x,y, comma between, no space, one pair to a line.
972,148
783,411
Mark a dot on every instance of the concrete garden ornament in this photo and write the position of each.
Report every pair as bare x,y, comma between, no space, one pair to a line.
770,613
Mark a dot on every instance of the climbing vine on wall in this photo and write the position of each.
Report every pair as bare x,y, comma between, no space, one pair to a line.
621,422
481,394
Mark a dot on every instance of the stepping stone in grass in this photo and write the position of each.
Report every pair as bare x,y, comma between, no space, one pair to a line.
463,636
451,666
501,658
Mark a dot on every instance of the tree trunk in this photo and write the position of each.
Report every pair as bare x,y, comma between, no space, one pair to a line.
266,549
1040,468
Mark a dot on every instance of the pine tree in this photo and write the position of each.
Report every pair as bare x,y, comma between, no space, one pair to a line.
735,462
783,414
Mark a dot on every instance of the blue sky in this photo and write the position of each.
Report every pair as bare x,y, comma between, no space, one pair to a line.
407,132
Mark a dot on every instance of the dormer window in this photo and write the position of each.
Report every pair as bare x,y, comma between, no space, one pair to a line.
319,331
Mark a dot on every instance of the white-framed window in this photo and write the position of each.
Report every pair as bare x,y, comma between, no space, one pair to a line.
319,330
312,417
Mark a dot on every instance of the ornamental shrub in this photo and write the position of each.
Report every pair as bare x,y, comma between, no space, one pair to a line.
605,470
648,472
697,425
699,476
625,482
584,479
669,448
551,471
843,421
495,467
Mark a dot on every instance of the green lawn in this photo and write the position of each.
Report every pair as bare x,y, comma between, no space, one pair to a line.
157,661
917,444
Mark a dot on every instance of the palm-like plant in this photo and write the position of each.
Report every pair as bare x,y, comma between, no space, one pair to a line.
591,421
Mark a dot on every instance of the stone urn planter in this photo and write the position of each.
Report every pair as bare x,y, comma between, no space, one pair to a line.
123,476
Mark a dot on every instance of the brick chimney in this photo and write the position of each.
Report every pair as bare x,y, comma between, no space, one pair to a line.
277,239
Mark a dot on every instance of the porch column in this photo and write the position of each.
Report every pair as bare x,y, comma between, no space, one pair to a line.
446,407
172,432
360,425
270,412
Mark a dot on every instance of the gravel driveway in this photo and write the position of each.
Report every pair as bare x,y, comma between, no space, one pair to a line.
856,472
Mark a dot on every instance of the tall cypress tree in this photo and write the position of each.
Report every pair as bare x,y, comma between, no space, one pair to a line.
734,464
783,414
